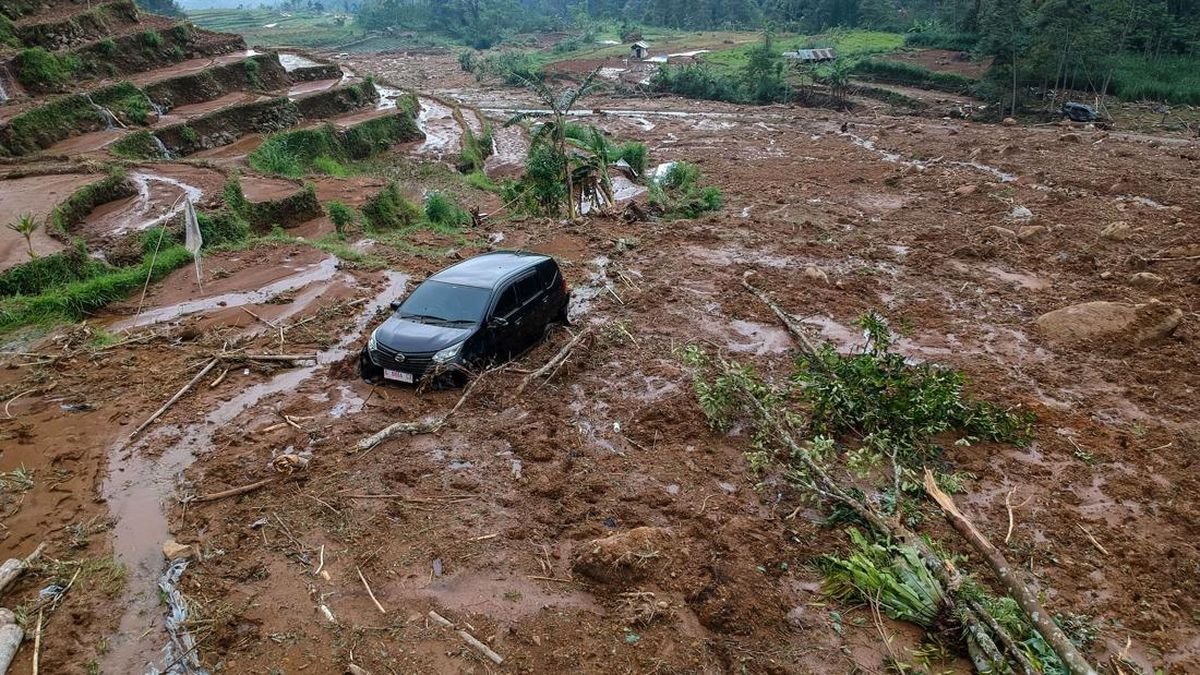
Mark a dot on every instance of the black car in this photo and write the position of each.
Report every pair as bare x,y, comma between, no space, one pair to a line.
483,310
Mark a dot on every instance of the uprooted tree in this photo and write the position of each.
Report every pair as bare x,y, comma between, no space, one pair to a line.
858,433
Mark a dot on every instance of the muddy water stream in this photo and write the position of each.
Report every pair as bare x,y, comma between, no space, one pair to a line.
138,485
443,135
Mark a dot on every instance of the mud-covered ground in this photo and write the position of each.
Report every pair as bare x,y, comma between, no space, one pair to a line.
962,234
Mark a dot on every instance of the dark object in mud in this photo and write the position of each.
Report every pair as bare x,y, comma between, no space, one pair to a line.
484,310
1079,112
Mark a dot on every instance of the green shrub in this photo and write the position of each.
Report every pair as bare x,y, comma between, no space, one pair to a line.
466,61
344,217
39,274
45,125
635,155
107,47
389,209
330,167
480,181
150,39
442,211
75,300
679,195
181,33
697,81
8,33
138,145
156,238
40,70
252,69
942,37
541,190
222,227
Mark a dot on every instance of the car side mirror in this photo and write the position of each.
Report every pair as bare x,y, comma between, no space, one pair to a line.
395,305
499,322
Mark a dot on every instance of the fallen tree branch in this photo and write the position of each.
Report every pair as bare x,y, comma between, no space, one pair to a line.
426,426
178,395
233,492
484,649
13,567
1042,620
556,361
790,322
369,592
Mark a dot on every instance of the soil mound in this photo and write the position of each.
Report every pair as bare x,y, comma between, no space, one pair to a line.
1117,323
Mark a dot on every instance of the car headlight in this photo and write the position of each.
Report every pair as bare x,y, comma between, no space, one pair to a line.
373,344
448,354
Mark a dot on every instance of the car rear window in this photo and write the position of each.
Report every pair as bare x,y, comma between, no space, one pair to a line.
437,300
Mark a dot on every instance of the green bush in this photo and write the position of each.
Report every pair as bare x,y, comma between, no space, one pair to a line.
389,210
8,33
1169,79
138,145
330,167
39,69
942,38
442,211
222,227
541,190
344,217
150,39
47,271
697,81
75,300
466,61
635,155
679,195
107,47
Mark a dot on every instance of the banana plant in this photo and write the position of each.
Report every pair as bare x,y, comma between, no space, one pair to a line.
25,226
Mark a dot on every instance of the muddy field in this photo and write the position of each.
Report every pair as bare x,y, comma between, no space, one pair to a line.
961,234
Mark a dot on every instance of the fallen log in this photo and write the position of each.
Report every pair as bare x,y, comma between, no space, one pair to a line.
13,567
233,492
790,322
1042,620
11,636
483,649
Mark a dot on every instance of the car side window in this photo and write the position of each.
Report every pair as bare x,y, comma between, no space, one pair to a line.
508,302
527,288
548,275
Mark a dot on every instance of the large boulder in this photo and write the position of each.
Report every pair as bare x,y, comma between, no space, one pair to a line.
1115,323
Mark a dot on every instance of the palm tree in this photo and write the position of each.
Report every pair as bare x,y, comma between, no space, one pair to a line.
25,226
554,126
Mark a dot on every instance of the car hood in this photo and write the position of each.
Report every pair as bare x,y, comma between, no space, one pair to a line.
413,337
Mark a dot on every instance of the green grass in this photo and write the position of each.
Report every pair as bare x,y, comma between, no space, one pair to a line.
1170,79
35,276
389,209
297,29
74,301
42,70
444,214
326,150
897,72
75,208
848,43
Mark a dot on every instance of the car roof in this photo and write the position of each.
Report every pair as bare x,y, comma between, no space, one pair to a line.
488,269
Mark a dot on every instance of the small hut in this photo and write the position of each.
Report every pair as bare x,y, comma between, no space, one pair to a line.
811,55
639,51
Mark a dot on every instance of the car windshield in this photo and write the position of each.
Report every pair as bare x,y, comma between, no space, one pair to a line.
437,302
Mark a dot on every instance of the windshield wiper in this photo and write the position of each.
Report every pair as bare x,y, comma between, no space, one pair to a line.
425,317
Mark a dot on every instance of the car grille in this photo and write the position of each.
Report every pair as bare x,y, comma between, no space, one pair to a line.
413,362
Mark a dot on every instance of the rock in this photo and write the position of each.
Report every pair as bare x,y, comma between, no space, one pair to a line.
1009,122
816,274
1070,138
1020,213
1106,275
1112,322
173,550
966,190
1146,280
1002,232
1118,231
1032,232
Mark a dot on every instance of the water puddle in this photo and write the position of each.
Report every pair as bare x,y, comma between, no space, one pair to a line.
387,97
759,339
291,62
158,200
137,486
322,271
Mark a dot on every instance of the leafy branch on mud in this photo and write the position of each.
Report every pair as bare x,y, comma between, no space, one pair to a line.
873,422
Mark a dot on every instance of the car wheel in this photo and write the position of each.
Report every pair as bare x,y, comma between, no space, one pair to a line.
368,371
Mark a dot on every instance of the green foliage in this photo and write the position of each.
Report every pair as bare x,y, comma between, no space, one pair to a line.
909,74
513,68
897,408
475,149
940,36
763,77
891,576
222,227
107,47
25,225
330,167
8,33
344,217
150,39
181,33
635,155
480,181
163,7
252,69
77,299
41,70
679,194
325,149
35,276
466,61
138,145
1169,79
697,81
541,189
442,211
389,209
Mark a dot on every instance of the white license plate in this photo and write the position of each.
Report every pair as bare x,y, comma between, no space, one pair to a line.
398,375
